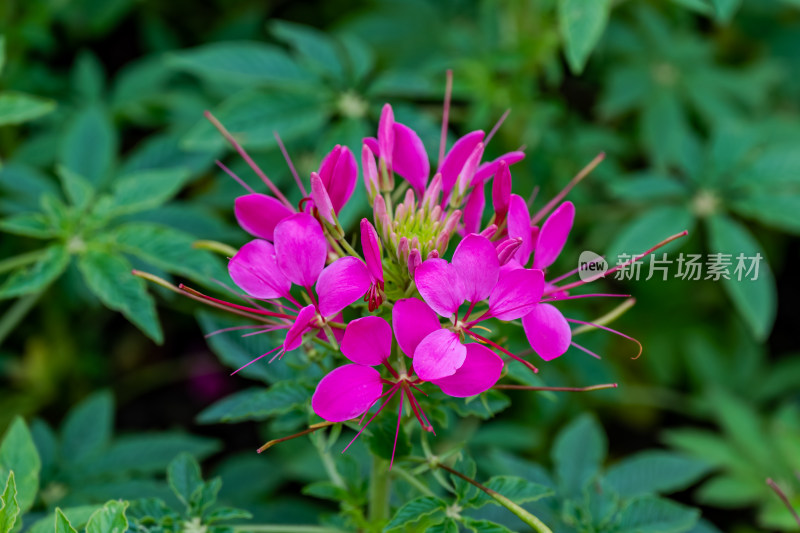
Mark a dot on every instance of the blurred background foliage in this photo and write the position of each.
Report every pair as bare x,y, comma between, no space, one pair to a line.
108,165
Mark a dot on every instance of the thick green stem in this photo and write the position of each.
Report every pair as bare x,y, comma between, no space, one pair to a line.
16,313
379,490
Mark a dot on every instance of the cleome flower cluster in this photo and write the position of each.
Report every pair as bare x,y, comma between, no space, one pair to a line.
422,312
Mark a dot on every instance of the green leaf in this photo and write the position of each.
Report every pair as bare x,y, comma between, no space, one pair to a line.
414,511
109,519
756,300
654,472
205,496
151,453
381,441
484,526
581,22
147,189
577,453
743,428
656,515
516,489
731,491
242,62
77,516
649,229
9,508
38,276
17,107
484,406
252,117
168,249
327,491
109,278
315,48
62,523
89,145
18,453
77,188
87,429
725,9
704,445
777,210
223,514
256,403
183,475
28,224
664,127
448,526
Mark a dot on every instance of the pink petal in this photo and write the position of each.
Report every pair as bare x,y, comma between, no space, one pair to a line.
487,170
439,355
476,263
516,293
409,158
346,392
519,225
473,210
370,170
258,214
386,135
456,157
440,287
319,194
501,191
301,325
255,270
468,170
412,321
547,331
372,144
480,371
553,235
339,173
301,248
371,246
367,341
341,283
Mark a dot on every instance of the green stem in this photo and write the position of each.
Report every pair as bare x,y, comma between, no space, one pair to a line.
521,513
16,313
413,481
20,260
216,247
278,528
379,490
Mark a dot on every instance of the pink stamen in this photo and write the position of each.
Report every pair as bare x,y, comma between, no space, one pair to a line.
236,178
511,355
391,370
578,296
610,331
621,265
497,126
311,295
266,330
448,93
243,153
290,164
397,431
256,359
226,330
239,295
419,413
578,346
232,305
573,182
471,307
384,404
576,270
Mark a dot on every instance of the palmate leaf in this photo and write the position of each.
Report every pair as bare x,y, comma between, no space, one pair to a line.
256,403
89,145
17,107
756,300
77,188
18,453
109,277
582,22
577,453
656,515
777,210
38,276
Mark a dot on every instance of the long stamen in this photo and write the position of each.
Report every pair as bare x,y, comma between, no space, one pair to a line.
391,369
782,495
448,93
558,389
573,182
578,296
234,328
621,265
256,359
397,431
384,404
243,153
199,294
586,350
575,271
496,126
312,428
269,329
605,328
515,357
471,307
236,178
418,412
290,164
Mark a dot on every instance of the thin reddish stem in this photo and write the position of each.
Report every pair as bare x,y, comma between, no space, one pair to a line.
573,182
256,359
782,495
558,389
397,431
496,127
605,328
495,345
290,164
199,294
236,178
585,350
621,265
310,429
579,296
384,404
469,311
448,93
252,164
392,371
575,271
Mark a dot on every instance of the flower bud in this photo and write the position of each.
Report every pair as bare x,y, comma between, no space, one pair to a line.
414,260
381,217
370,172
507,249
489,231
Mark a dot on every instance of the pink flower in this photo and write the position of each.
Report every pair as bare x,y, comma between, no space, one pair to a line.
351,390
267,271
339,173
371,246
